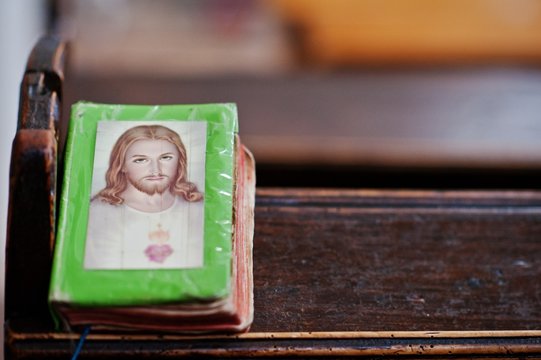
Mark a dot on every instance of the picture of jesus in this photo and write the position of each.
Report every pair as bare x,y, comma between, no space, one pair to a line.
149,215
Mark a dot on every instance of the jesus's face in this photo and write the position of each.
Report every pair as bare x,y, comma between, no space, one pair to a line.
151,165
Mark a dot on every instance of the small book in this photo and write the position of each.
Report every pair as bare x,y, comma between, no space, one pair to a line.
156,220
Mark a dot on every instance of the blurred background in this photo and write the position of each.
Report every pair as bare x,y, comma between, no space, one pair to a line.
438,94
348,93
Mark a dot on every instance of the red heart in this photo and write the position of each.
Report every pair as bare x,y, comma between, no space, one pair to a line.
158,253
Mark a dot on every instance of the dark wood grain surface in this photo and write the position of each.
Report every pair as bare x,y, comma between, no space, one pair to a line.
362,260
367,273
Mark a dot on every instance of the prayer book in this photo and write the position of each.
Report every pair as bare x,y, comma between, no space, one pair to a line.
156,220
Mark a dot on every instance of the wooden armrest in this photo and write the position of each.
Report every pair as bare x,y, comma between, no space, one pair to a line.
32,199
41,88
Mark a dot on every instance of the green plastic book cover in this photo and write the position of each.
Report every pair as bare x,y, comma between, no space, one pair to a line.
146,205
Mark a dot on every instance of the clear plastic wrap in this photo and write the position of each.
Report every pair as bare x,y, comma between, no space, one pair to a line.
77,283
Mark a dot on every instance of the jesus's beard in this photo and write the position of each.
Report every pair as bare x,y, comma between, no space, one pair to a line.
151,187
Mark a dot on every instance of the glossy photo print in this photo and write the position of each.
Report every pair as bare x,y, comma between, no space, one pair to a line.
147,198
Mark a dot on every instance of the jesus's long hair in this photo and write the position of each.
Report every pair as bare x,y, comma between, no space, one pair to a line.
116,179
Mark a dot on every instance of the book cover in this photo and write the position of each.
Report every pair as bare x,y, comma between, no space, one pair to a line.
146,212
233,313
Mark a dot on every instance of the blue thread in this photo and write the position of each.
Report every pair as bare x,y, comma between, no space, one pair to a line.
81,342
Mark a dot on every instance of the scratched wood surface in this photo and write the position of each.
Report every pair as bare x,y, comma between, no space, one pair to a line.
377,261
366,273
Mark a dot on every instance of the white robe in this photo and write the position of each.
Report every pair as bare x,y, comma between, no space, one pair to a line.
119,235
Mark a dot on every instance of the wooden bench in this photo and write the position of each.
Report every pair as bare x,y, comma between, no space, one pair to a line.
413,274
